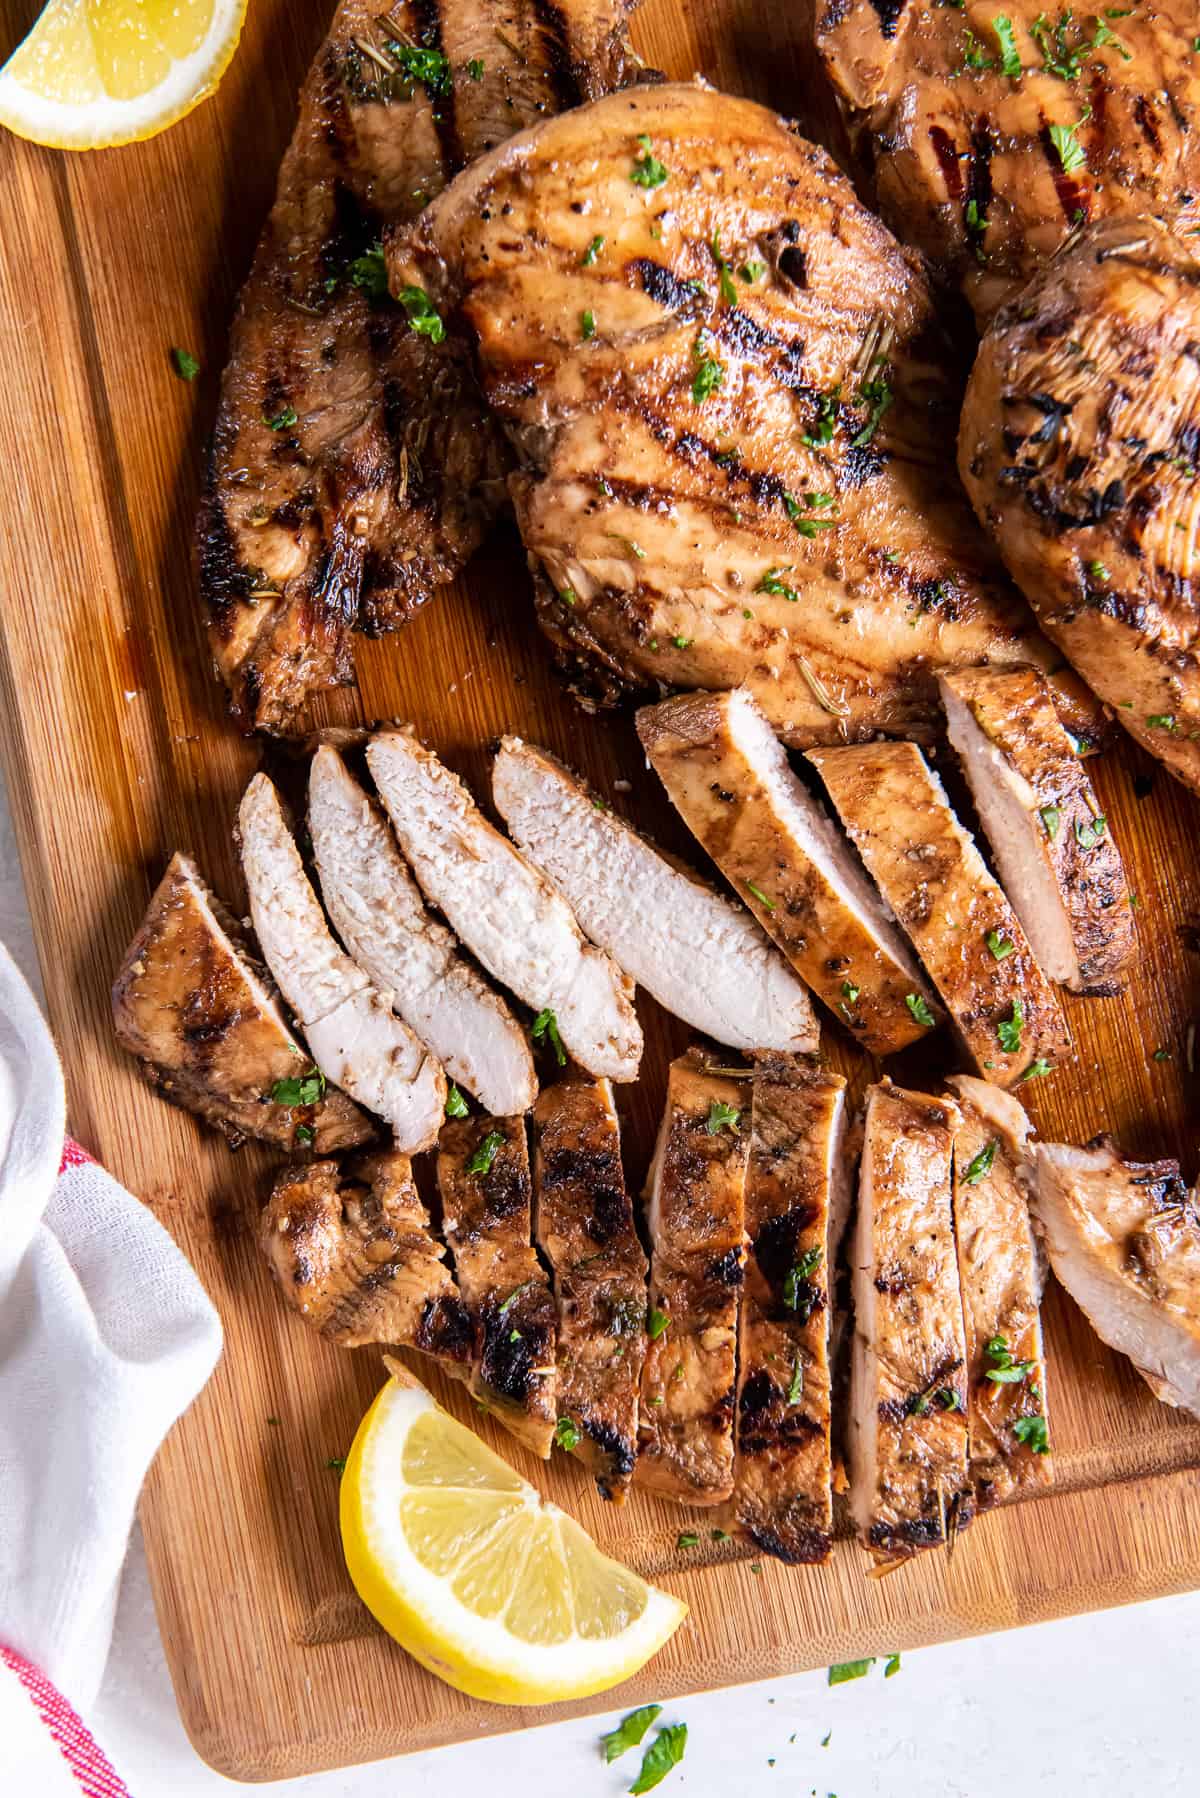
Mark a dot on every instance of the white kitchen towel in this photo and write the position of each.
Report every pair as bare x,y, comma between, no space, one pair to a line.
106,1336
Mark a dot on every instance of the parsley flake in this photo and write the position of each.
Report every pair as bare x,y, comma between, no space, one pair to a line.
184,364
422,314
587,325
282,421
647,170
304,1089
545,1026
796,1389
1010,61
417,63
891,1665
1049,815
1008,1030
751,272
629,1731
709,376
756,892
566,1434
1162,721
981,1165
481,1161
796,1279
1088,835
1004,1371
687,1539
1071,153
773,582
848,1670
657,1324
1033,1433
456,1105
721,1117
665,1751
725,284
999,945
368,273
920,1010
475,68
590,254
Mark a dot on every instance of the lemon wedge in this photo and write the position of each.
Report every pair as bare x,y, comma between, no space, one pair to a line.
93,73
497,1592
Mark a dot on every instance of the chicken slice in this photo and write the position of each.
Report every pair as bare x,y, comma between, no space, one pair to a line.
483,1176
658,921
199,1012
782,1494
1001,1275
907,1434
504,910
585,1230
1078,448
352,1253
1051,842
377,911
1124,1239
740,399
961,925
695,1211
730,779
355,1038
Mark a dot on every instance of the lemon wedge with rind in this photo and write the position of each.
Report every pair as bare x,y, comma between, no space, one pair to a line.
96,73
493,1589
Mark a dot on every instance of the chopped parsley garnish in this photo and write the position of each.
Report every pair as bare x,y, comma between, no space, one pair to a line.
796,1389
974,54
1004,1371
948,1399
515,1336
647,170
773,582
657,1325
1088,835
629,1731
475,68
1162,1055
720,1535
1010,61
184,364
825,423
423,315
725,284
336,1463
920,1010
481,1161
1097,571
456,1105
514,1295
877,395
722,1117
665,1751
1049,816
566,1435
752,272
305,1134
981,1165
999,945
304,1089
1037,1070
1008,1030
891,1665
368,272
545,1027
1162,721
850,992
429,67
709,376
590,254
282,421
587,325
756,892
683,642
1064,46
1032,1431
1071,153
797,1277
808,527
848,1670
687,1539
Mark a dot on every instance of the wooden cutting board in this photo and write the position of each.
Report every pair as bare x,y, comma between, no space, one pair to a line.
117,750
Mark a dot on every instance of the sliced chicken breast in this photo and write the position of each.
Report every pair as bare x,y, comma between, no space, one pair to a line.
960,923
378,912
729,777
1001,1274
782,1495
504,910
1049,837
695,1212
351,1251
583,1222
658,921
201,1015
1124,1239
355,1038
907,1434
483,1176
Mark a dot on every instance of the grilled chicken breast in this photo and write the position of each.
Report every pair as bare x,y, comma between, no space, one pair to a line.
1124,1239
200,1014
992,135
782,1492
727,774
730,399
355,1038
695,1211
658,921
483,1176
354,467
1050,840
378,913
583,1222
1079,446
352,1253
503,909
1000,1272
907,1435
961,925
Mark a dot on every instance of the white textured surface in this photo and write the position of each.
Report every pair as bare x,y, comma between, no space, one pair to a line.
1096,1705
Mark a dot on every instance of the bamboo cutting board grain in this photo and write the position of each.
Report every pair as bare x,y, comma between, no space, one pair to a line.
117,751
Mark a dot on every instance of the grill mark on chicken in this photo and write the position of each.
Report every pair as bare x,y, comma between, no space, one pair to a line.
585,1229
915,109
782,1490
351,1252
854,355
1085,514
487,1224
199,1011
